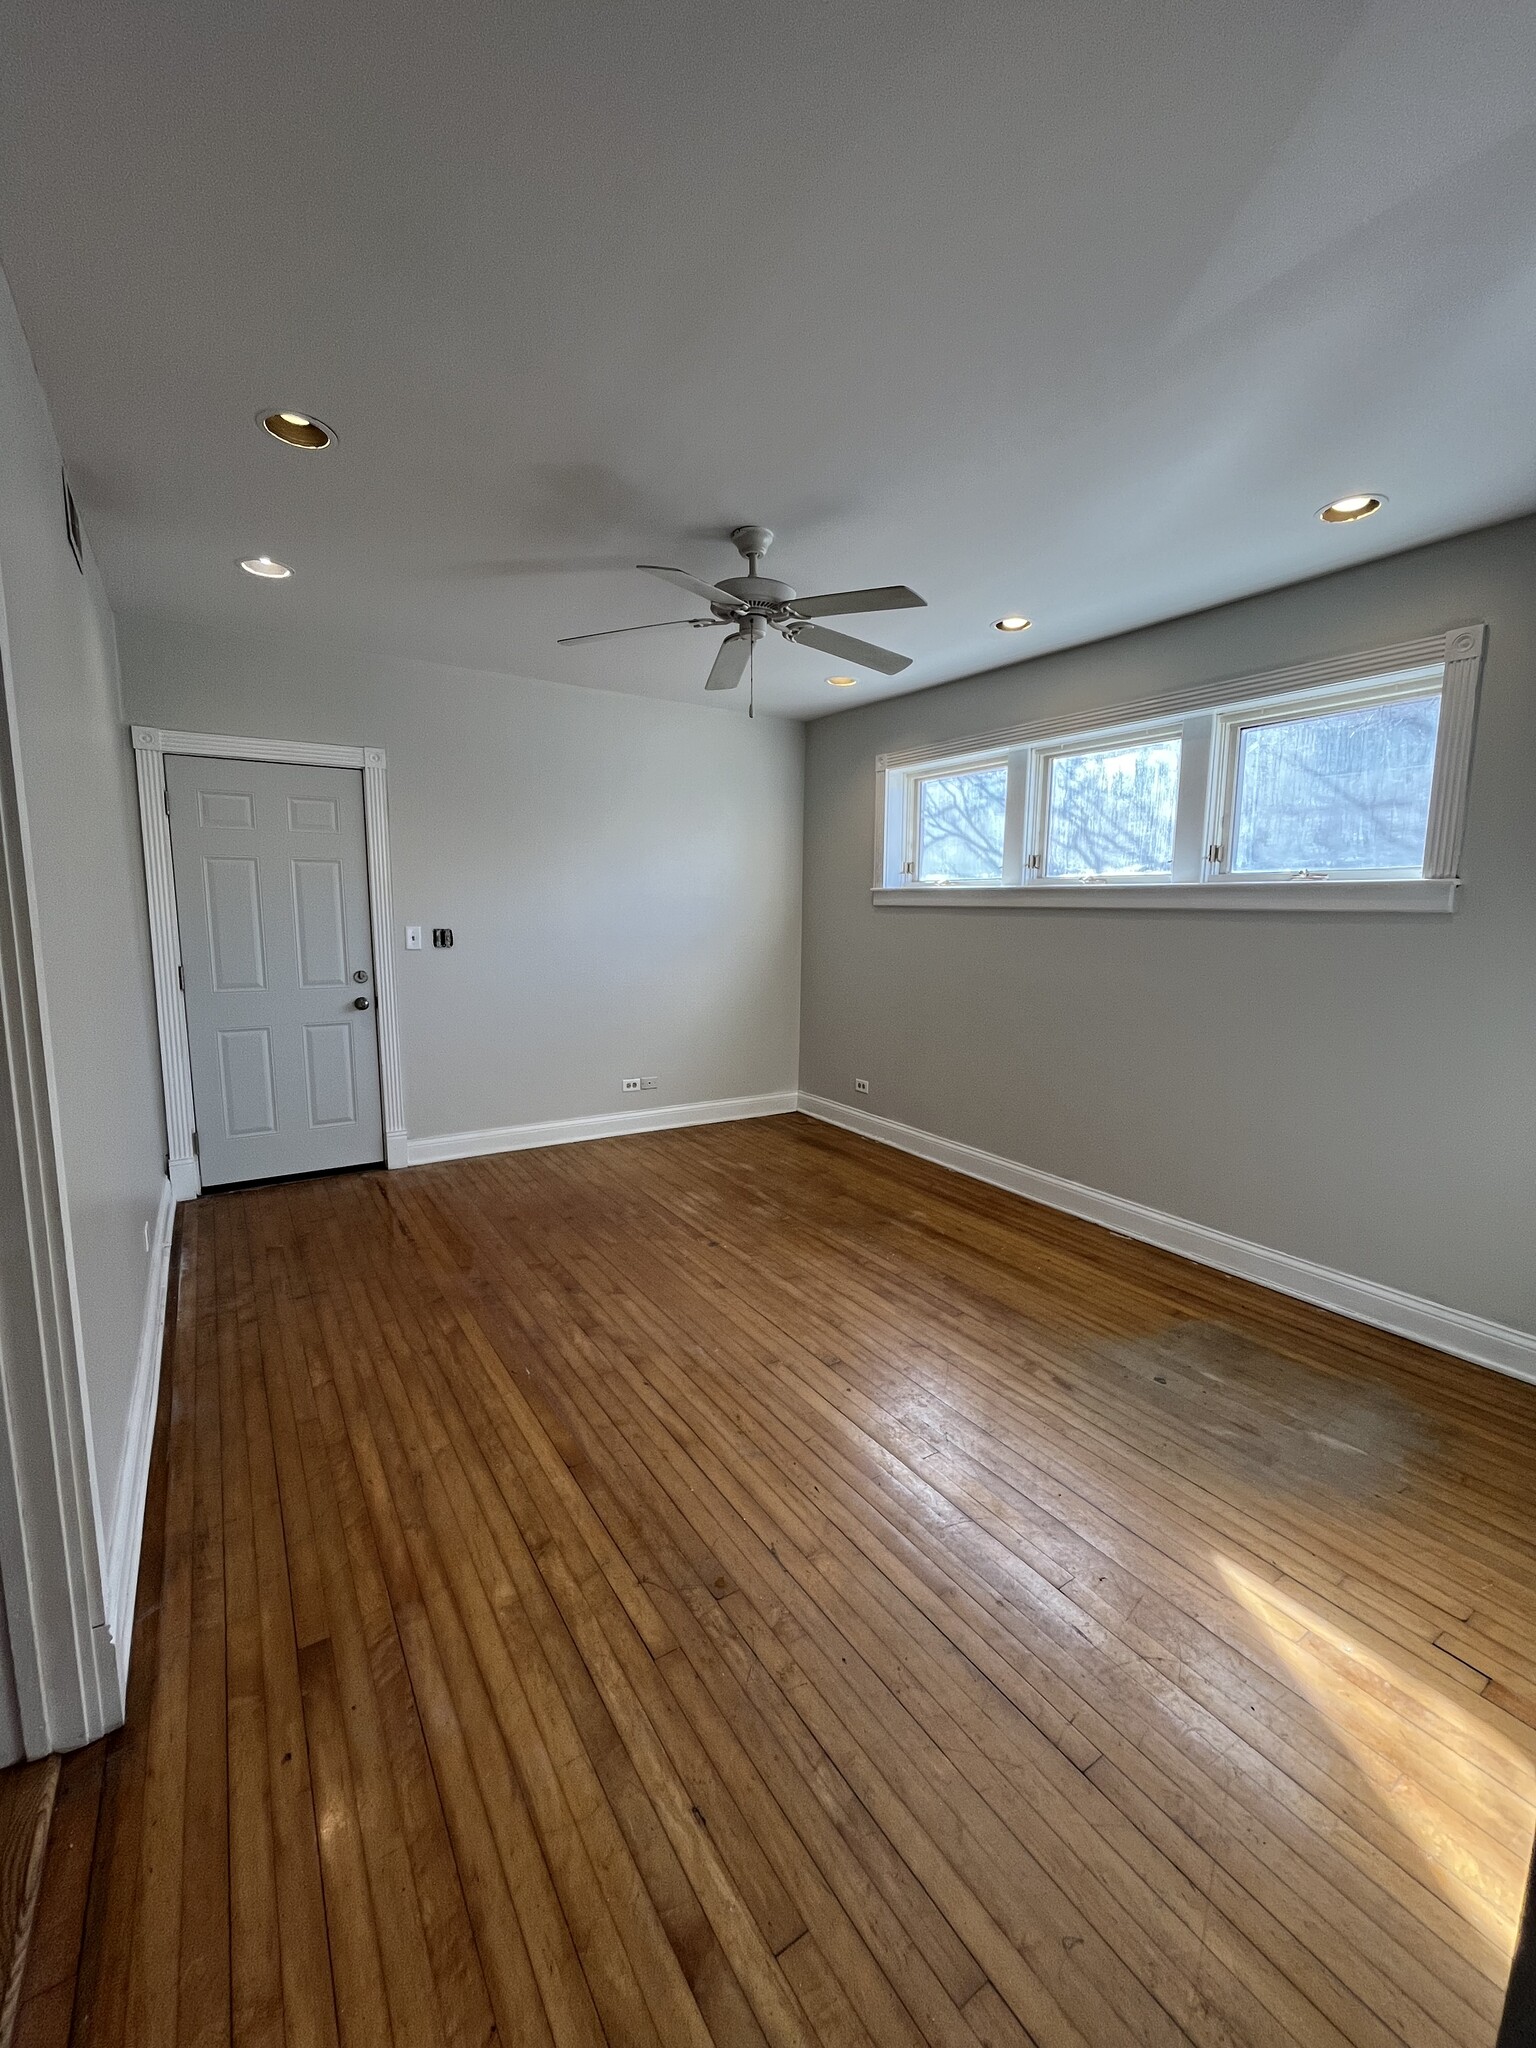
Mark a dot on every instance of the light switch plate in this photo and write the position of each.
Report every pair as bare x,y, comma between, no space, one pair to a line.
413,938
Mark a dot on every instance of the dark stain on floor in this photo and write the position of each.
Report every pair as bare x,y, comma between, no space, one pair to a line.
1275,1417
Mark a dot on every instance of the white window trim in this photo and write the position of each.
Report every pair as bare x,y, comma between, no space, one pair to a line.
1207,714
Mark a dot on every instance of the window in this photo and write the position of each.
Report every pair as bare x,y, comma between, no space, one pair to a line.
960,826
1110,811
1335,786
1339,791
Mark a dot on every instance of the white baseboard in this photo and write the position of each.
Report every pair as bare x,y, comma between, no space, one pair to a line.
121,1576
573,1130
1497,1345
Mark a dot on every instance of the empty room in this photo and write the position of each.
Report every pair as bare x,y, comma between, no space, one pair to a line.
768,1024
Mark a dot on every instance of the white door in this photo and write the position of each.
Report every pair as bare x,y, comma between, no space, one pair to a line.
277,957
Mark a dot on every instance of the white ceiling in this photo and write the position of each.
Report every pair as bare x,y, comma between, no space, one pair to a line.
1080,307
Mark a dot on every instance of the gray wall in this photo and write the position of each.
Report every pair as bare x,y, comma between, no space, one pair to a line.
1357,1090
622,875
87,875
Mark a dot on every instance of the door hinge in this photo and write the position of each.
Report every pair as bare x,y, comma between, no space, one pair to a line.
166,793
197,1150
181,977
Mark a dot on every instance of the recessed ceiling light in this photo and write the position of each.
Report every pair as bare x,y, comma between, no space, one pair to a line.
297,429
1014,623
1358,505
264,566
842,682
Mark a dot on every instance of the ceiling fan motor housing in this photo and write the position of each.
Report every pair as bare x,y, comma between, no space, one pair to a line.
763,590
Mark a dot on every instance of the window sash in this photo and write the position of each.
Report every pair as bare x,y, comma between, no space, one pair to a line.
1039,763
1230,727
948,774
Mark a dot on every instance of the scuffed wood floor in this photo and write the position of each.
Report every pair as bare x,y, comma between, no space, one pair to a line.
743,1585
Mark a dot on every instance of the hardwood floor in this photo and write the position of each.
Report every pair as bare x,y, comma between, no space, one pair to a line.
743,1585
28,1792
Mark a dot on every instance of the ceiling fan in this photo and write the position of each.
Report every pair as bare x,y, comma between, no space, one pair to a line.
750,604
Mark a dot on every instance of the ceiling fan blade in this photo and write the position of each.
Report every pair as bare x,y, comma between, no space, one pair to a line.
730,663
843,647
891,597
691,584
608,632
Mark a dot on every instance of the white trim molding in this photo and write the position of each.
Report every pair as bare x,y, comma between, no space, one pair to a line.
1459,647
127,1531
1223,895
573,1130
1497,1345
151,744
50,1530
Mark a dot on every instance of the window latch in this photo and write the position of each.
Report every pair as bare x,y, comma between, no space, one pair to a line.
1213,852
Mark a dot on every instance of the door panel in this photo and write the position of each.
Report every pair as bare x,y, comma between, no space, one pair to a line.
245,1069
272,901
224,807
233,897
318,921
328,1063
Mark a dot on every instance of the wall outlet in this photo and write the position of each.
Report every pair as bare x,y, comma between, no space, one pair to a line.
413,938
647,1080
632,1086
861,1087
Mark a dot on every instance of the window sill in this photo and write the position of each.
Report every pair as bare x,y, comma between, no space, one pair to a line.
1422,897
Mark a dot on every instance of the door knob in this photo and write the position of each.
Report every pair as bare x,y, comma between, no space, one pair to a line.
359,1002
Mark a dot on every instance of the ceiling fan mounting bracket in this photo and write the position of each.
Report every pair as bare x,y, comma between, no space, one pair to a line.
752,541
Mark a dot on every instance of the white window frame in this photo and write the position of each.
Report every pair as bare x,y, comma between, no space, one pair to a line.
1037,833
1227,742
1207,719
914,828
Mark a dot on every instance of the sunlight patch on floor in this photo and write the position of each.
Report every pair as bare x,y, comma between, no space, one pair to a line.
1461,1793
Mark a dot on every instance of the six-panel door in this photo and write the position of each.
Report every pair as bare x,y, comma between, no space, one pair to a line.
272,902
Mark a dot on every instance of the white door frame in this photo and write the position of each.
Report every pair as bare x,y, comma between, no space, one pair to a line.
151,744
68,1688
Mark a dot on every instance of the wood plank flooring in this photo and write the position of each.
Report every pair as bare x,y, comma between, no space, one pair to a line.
28,1792
742,1585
